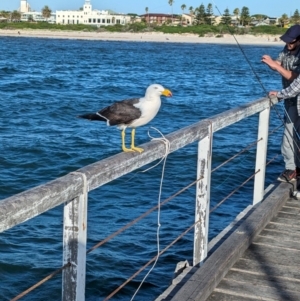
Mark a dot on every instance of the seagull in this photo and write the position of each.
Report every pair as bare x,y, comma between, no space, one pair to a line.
131,113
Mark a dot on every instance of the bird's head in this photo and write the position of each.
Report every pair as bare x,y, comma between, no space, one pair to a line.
158,90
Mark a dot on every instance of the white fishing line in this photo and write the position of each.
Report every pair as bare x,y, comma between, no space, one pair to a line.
164,159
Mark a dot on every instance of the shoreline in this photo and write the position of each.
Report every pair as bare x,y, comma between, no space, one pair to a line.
144,37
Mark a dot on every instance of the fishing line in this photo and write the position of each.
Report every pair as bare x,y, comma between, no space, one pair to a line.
164,159
264,89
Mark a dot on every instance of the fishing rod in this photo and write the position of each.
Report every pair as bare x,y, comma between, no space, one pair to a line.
264,89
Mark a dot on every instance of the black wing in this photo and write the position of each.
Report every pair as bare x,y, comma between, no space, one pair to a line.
121,112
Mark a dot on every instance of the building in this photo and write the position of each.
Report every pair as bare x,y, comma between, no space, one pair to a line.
188,19
28,15
36,16
3,20
24,6
157,18
89,16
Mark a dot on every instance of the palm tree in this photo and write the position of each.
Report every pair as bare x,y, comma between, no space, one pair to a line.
15,16
183,7
171,4
295,18
46,12
191,9
146,10
236,12
284,20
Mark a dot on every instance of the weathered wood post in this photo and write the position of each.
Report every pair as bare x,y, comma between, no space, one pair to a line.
261,155
74,246
202,197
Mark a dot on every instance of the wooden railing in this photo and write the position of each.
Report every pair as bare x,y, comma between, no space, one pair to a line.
72,189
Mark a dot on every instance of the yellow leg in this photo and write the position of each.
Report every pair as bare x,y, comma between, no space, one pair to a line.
124,148
138,149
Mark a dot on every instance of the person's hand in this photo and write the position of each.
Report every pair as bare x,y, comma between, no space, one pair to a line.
270,62
273,93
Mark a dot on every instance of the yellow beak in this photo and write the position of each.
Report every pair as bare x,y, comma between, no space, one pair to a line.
167,93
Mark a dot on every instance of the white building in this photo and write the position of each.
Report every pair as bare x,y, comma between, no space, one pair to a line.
37,17
24,7
28,15
90,17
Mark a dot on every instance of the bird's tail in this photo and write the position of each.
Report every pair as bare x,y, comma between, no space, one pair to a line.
92,116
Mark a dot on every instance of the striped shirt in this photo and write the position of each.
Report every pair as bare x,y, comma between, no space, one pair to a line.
291,90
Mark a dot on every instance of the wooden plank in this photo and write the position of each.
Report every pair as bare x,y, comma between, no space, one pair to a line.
109,169
202,202
74,249
282,227
292,203
277,270
261,155
286,219
201,284
23,206
281,235
264,279
217,296
264,254
289,215
290,210
259,292
227,118
26,205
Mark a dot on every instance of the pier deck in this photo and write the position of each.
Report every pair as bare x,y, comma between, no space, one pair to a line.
259,260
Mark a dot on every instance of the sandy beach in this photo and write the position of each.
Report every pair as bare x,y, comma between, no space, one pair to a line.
144,37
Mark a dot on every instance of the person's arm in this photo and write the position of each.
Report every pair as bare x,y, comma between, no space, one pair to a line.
276,66
291,91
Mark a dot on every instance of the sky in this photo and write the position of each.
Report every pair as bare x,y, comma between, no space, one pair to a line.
271,8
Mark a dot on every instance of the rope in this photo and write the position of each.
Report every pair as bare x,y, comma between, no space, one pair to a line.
164,159
158,206
108,238
150,261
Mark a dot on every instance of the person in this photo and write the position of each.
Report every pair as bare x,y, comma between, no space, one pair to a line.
288,66
291,91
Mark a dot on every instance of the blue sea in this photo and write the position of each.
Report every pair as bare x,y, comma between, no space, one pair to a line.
46,83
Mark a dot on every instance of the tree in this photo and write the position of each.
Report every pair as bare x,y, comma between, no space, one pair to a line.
296,17
183,7
46,12
191,10
133,17
30,18
245,16
236,13
209,14
200,15
5,14
146,10
226,19
15,16
284,20
171,4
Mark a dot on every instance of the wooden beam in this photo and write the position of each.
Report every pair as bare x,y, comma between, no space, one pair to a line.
202,283
23,206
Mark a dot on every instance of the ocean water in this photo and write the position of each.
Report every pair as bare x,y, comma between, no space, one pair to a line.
46,83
